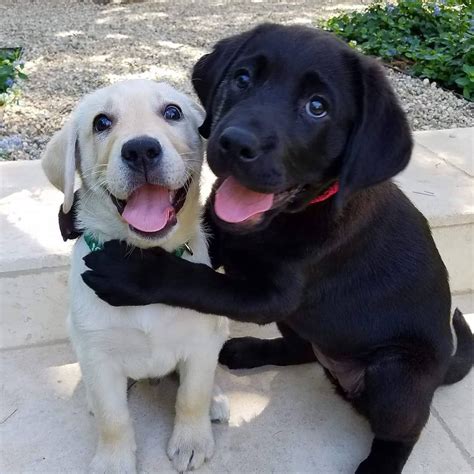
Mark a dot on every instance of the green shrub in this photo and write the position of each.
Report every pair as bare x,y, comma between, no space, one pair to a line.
11,73
426,39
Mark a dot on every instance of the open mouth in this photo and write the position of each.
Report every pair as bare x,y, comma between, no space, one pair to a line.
150,211
235,203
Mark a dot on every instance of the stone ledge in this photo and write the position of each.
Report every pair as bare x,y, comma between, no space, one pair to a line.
29,237
438,181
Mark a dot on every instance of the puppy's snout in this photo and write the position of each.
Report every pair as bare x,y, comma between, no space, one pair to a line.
239,144
141,153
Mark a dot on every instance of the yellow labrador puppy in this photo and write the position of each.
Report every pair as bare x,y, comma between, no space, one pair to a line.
136,148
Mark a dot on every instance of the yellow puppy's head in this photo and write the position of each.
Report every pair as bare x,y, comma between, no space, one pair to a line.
137,150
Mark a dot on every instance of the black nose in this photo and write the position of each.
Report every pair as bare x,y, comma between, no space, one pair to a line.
239,143
141,153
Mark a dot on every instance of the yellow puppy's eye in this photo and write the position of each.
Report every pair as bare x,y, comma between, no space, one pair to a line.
102,123
172,112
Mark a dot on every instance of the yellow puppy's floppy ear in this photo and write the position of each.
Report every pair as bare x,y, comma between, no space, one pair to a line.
198,112
59,162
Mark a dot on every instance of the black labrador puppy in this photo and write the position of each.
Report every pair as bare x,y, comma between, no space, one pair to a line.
304,136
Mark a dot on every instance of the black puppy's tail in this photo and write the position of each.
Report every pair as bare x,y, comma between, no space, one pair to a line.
463,359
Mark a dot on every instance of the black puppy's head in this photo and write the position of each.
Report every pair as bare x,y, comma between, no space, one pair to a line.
290,110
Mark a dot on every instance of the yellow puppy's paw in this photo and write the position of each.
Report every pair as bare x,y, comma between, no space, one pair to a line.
190,445
108,461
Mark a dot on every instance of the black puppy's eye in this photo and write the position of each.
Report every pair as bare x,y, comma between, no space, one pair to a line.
242,79
316,107
102,123
172,112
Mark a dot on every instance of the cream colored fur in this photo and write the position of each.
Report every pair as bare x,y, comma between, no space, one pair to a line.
138,342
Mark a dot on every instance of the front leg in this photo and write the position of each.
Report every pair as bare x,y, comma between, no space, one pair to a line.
122,277
107,395
192,441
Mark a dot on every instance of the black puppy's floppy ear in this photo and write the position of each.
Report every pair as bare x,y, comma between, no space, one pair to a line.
212,69
380,145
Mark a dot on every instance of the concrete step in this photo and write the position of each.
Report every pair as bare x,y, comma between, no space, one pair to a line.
34,308
439,181
29,237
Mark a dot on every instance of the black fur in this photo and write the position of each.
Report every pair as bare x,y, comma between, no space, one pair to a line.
356,279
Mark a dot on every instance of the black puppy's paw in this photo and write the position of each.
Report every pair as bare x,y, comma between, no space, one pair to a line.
386,457
372,465
366,467
106,289
119,274
241,353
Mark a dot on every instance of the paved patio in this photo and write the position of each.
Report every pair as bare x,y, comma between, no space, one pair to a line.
282,419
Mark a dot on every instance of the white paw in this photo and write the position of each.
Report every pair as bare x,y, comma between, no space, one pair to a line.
107,461
190,445
220,410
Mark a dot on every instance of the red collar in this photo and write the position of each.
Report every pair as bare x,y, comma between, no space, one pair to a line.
333,189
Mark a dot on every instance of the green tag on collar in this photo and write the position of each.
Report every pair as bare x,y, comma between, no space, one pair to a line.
181,249
94,245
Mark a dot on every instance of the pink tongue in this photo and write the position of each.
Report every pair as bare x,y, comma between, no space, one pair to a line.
234,203
148,209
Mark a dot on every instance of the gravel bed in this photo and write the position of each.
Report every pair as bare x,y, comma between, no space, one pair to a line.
73,47
430,107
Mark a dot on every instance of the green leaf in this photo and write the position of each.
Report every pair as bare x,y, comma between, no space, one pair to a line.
462,81
468,69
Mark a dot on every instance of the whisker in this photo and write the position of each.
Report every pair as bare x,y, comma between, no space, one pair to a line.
99,165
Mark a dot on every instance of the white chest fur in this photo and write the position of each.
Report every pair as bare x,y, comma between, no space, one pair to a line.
147,341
